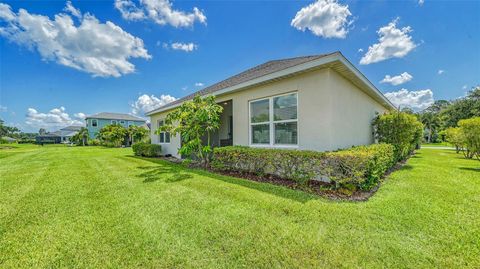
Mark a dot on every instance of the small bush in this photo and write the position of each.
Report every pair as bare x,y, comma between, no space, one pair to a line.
147,150
93,142
470,129
359,167
399,129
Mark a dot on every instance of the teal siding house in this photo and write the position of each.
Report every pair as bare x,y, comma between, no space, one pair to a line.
97,121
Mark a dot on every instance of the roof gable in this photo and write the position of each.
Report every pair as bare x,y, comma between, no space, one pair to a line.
115,116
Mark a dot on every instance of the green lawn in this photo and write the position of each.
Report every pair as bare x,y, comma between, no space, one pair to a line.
95,207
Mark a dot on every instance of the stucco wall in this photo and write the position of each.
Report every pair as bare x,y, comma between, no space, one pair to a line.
167,148
332,112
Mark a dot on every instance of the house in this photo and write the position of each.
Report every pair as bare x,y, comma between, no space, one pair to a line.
98,121
319,102
63,135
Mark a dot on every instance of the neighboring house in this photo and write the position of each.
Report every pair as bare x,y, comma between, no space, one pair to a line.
9,139
63,135
98,121
319,102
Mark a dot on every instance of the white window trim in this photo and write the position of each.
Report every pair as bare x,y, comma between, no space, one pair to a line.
271,123
164,136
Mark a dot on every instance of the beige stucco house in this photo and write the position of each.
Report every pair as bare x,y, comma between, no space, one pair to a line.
319,102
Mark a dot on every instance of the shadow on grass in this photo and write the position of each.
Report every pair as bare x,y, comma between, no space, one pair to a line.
470,169
162,172
406,167
164,168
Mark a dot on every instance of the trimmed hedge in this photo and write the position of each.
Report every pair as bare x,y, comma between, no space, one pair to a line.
147,150
355,168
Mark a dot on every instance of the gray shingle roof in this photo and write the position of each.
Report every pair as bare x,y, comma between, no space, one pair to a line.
250,74
114,116
72,128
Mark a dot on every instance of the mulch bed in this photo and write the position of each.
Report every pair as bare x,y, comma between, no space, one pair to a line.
319,188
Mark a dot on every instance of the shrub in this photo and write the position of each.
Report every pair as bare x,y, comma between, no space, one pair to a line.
360,167
94,142
146,150
399,129
470,129
454,136
112,135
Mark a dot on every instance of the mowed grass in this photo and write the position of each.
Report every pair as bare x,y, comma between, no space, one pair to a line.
91,207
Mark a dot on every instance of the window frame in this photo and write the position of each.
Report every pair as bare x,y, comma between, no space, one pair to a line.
96,123
115,122
164,134
271,123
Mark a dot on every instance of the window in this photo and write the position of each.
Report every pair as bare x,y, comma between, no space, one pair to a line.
164,137
122,122
94,123
273,121
114,122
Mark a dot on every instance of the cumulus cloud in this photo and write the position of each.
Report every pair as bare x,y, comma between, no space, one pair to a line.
416,100
420,2
146,103
393,43
80,115
160,12
74,11
397,80
55,118
325,18
101,49
440,71
187,47
199,84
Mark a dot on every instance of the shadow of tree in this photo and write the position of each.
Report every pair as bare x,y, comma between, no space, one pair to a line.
162,172
470,169
406,167
176,172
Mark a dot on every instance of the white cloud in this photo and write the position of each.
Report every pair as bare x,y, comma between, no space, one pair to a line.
325,18
187,47
57,117
397,80
440,71
80,115
6,13
146,103
101,49
360,50
160,12
416,100
74,11
392,43
199,84
3,108
420,2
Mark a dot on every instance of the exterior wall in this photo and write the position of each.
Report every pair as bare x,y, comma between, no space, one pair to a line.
167,148
332,112
92,131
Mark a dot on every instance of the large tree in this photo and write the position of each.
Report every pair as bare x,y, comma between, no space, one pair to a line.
194,120
431,122
112,135
137,133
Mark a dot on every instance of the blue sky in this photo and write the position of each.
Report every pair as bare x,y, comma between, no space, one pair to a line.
153,50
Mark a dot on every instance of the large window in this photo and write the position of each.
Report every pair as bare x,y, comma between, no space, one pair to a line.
164,137
273,121
94,123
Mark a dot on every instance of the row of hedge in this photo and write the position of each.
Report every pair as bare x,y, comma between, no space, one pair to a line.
146,149
355,168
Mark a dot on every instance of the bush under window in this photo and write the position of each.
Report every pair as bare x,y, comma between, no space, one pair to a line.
356,168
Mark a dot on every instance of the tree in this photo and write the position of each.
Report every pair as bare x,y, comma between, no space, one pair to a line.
137,133
454,136
431,122
470,129
42,131
194,120
81,137
463,108
7,130
112,135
